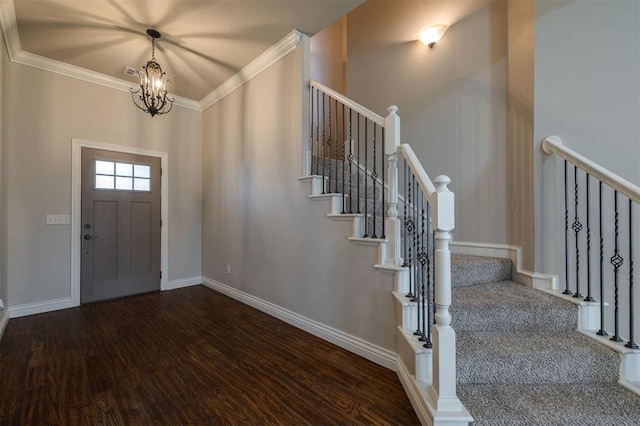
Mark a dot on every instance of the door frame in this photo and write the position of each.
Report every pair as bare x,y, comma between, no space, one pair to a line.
76,218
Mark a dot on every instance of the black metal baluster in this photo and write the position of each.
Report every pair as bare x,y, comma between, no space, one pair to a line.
408,238
616,261
374,175
416,246
589,297
406,177
330,147
358,169
431,265
336,154
577,227
317,170
344,157
350,158
384,210
601,332
324,143
631,344
366,169
420,267
424,260
566,230
311,123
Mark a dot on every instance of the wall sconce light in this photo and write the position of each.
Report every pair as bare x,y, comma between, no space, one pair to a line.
432,34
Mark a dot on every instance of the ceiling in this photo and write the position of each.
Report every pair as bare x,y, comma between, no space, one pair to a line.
203,43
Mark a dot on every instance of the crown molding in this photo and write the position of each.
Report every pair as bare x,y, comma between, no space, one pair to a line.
10,27
262,62
37,61
12,39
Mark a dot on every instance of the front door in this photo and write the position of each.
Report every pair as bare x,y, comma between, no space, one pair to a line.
120,225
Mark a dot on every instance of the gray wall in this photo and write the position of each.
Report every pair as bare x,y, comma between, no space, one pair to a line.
520,101
587,91
258,219
47,111
329,56
452,99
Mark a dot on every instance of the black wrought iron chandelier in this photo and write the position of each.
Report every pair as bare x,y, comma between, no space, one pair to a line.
152,94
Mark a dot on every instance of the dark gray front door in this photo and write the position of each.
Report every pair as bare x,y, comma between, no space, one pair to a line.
120,225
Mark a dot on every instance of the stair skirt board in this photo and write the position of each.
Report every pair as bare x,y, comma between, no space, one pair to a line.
418,396
374,353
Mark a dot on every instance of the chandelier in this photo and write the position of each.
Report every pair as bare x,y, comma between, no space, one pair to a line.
152,94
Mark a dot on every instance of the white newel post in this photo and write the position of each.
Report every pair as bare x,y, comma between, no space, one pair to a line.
443,390
392,223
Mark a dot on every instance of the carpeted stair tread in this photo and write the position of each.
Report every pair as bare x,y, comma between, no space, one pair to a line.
471,270
602,404
534,357
509,306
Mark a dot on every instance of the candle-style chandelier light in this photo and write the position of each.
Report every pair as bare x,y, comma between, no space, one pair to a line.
152,93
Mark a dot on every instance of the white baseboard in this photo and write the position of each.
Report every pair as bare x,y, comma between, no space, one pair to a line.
504,251
64,303
380,356
183,282
4,320
40,307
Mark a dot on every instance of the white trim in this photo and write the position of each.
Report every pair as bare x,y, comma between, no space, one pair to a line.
554,145
504,251
253,68
3,322
16,54
40,307
37,61
418,171
10,27
380,356
76,189
183,282
306,106
376,118
427,414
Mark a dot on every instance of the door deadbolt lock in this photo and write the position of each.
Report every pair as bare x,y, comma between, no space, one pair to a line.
87,226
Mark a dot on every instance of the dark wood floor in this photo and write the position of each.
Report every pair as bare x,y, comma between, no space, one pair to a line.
188,356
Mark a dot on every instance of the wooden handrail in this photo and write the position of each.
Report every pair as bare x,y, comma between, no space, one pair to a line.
554,145
349,103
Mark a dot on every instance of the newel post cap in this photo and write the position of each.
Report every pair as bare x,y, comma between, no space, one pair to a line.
441,183
392,130
444,212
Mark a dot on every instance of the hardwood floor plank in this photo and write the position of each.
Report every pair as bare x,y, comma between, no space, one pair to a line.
190,356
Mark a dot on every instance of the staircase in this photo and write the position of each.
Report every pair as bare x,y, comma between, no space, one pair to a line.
522,362
516,356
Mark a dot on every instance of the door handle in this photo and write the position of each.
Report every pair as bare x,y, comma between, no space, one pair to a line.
87,237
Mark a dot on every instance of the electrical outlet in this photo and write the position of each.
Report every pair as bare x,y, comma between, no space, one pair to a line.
58,219
228,269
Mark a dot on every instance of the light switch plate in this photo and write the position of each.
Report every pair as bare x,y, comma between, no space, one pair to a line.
58,219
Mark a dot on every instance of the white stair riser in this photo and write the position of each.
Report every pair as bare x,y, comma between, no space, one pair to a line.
416,359
406,312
